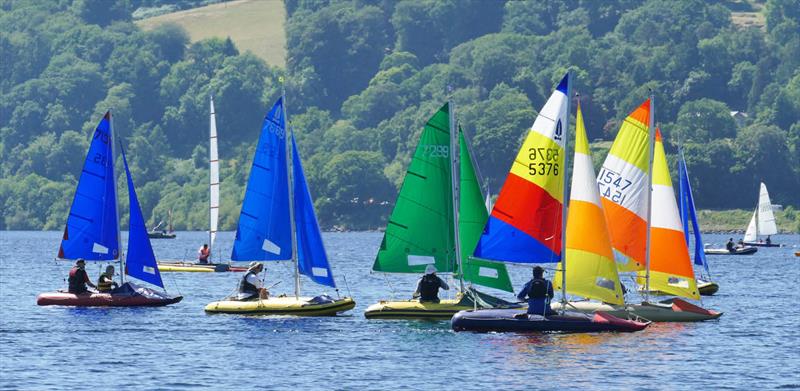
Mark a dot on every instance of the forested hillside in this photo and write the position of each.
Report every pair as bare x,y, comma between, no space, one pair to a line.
363,76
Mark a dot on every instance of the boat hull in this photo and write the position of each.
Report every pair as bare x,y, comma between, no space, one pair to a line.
739,251
137,297
189,267
514,320
159,235
671,310
281,306
762,244
707,288
413,309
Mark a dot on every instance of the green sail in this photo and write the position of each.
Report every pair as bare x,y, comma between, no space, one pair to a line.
420,229
472,218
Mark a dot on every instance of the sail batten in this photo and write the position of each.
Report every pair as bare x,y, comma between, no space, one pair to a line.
263,233
92,229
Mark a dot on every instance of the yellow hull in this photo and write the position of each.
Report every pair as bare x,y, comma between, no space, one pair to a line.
413,309
281,306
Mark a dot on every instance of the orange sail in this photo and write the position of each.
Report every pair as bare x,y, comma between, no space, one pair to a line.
670,266
623,187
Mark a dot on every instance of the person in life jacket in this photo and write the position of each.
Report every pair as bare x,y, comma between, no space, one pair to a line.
539,291
203,254
250,286
106,281
78,279
428,286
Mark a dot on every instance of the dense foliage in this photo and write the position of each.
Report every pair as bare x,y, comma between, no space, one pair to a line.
362,78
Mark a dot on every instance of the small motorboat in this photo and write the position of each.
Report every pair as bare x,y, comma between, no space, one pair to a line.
191,267
707,288
160,235
746,250
127,295
511,320
322,305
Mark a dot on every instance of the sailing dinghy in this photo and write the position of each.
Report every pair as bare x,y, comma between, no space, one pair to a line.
277,223
527,226
762,223
649,242
705,286
438,217
213,210
92,232
169,233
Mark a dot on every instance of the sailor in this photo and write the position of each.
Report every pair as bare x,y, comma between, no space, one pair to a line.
106,281
203,254
539,292
78,279
250,287
428,286
768,241
730,246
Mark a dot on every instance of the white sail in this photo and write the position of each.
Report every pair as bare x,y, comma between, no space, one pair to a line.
213,184
750,235
766,219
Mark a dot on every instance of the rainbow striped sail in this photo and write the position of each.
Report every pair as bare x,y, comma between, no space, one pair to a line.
623,185
591,271
671,269
525,223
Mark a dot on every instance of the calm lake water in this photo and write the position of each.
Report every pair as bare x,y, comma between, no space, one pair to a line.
754,345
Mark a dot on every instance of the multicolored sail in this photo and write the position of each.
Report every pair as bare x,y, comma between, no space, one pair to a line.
92,230
140,262
591,270
689,214
526,220
262,233
472,216
670,266
623,186
311,256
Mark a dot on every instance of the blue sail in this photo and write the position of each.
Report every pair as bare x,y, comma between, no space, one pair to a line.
311,258
263,232
92,230
140,261
688,213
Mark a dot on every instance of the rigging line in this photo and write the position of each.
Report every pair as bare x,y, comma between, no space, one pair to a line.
391,288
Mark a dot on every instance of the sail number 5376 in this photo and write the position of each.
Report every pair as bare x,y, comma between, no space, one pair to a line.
543,161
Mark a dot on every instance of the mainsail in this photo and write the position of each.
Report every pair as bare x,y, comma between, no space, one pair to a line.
311,256
92,230
526,222
623,183
763,220
592,272
213,177
140,262
689,214
670,266
263,232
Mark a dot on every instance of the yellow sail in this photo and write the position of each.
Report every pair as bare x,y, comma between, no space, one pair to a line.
670,266
591,270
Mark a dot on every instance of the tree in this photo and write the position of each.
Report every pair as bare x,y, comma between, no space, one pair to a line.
704,120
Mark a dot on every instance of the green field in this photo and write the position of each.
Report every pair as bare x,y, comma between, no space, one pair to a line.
254,25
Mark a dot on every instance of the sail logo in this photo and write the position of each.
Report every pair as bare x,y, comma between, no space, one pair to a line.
436,151
557,135
102,136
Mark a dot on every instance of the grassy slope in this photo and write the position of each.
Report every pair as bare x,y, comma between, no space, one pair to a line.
254,25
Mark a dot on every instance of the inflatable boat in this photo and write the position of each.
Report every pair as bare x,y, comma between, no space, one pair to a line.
747,250
763,244
127,295
670,310
514,320
323,305
707,288
190,267
445,309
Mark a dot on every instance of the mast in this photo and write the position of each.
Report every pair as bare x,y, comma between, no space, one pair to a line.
652,134
116,195
455,188
289,172
565,197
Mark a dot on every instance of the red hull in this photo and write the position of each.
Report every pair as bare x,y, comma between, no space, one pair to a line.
144,297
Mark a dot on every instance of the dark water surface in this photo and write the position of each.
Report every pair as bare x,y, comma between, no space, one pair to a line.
754,345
